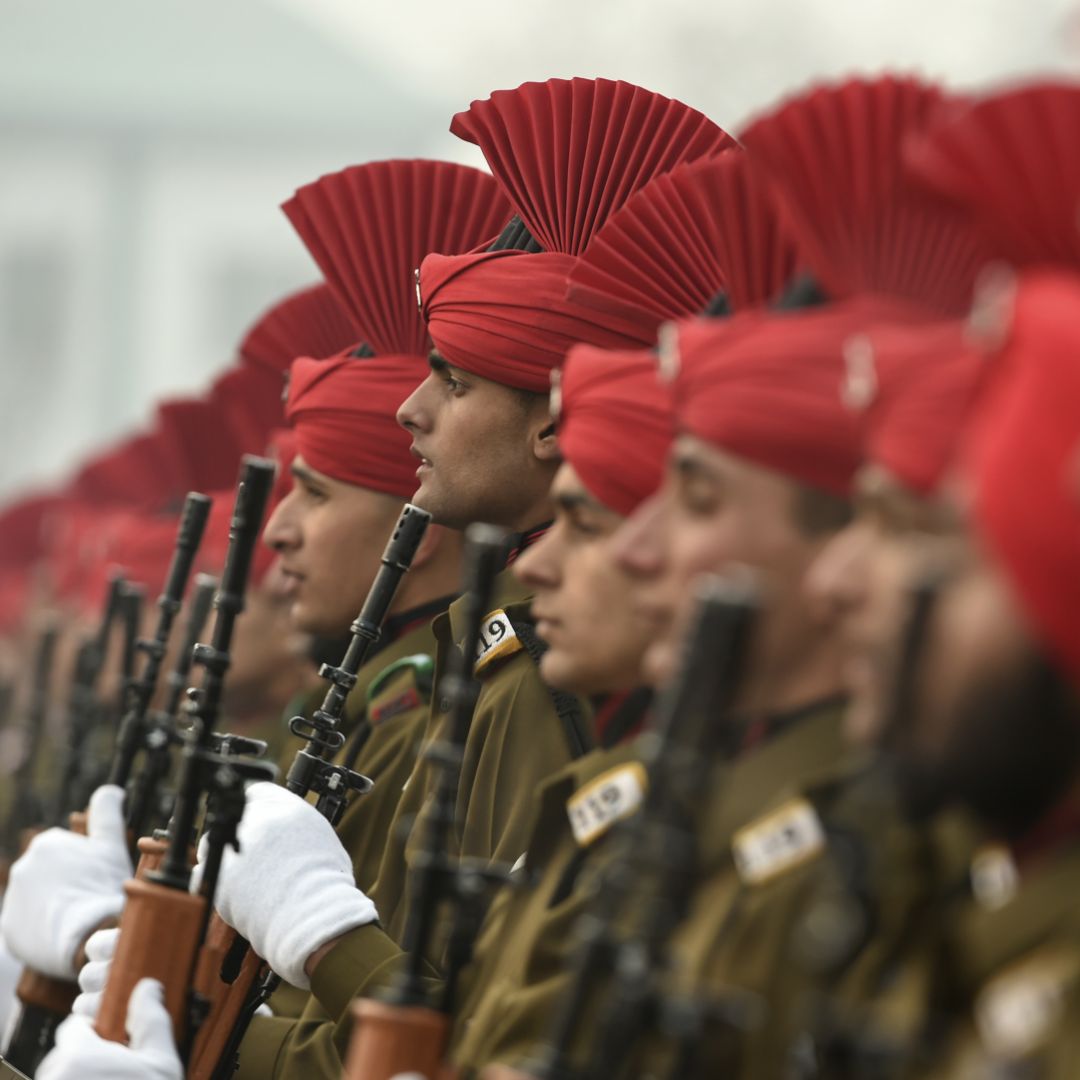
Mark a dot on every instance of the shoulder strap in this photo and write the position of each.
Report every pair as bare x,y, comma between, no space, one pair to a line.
567,707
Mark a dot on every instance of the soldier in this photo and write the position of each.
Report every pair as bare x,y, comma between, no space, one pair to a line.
487,450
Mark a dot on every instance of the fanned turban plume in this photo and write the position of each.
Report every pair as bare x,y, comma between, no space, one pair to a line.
1011,163
367,228
568,153
309,322
706,227
834,157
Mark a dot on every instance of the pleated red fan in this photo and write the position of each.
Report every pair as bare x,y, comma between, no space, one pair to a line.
306,323
834,158
704,226
196,435
250,399
369,226
570,152
1012,162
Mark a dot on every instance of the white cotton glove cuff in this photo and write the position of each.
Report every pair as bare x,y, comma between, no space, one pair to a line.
65,885
290,889
81,1054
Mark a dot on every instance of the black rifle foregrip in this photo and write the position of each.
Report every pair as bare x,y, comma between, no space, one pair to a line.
189,536
253,493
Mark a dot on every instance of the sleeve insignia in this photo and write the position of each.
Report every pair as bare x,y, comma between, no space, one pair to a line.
610,797
782,840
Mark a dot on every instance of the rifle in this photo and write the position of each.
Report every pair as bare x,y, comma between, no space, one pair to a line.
161,726
135,728
96,768
163,925
406,1031
26,810
45,1001
312,771
83,704
648,881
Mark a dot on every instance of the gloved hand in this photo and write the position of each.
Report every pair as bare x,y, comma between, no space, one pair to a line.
290,889
81,1054
100,950
65,885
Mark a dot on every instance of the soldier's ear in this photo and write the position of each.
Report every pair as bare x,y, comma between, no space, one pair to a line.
545,443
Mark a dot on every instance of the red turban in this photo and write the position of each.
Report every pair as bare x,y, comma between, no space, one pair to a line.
918,384
615,424
306,323
1010,164
767,387
505,315
707,225
834,158
343,413
1025,464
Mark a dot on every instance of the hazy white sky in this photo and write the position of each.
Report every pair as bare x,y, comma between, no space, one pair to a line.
727,57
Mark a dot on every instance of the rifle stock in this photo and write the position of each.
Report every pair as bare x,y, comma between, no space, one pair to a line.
163,926
392,1039
406,1032
312,771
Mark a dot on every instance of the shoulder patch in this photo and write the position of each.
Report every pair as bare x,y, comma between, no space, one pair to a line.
1018,1011
498,640
778,842
419,664
606,799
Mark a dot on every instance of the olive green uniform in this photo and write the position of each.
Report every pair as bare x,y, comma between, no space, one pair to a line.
1015,949
519,735
731,936
388,707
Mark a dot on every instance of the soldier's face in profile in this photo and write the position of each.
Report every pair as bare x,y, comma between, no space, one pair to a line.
480,450
330,536
864,573
583,599
713,512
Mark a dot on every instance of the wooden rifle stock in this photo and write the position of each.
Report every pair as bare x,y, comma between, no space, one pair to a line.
313,771
405,1032
163,926
159,939
391,1039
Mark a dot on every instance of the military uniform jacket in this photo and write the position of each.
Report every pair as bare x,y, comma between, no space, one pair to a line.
520,734
1016,951
728,941
388,707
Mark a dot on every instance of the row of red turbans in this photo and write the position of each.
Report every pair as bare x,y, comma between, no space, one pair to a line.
872,270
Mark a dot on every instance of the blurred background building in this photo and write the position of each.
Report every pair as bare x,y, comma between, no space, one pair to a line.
146,144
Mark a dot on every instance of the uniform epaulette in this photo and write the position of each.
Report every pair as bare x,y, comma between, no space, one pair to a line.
401,686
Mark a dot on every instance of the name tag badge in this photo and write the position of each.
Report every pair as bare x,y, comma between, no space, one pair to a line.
608,798
497,640
777,843
1017,1012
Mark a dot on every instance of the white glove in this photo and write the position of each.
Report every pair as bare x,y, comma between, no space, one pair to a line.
65,885
82,1054
291,887
100,950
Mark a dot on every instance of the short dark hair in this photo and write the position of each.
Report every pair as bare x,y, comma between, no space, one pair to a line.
818,512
